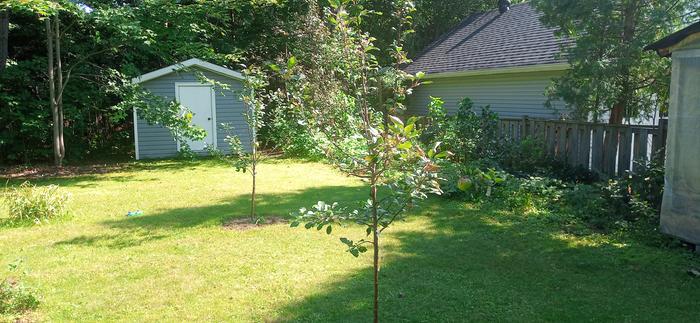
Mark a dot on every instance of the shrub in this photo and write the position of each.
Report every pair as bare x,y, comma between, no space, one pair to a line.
528,157
15,297
532,193
284,131
476,134
37,204
468,135
471,181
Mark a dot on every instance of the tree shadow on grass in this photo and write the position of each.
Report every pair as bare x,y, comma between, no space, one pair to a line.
92,175
134,231
474,265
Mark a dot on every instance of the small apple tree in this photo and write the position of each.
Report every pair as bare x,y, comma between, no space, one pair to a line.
253,96
345,94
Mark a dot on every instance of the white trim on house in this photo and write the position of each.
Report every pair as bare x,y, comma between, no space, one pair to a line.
136,135
213,107
188,63
502,70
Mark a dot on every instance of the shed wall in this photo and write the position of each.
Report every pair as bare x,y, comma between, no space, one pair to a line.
680,209
510,95
155,141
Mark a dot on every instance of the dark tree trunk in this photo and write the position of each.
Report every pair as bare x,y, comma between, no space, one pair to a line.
60,87
52,91
619,110
4,38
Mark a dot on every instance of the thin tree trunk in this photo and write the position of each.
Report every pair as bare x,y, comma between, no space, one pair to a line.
4,38
252,194
620,109
254,159
61,87
52,91
375,244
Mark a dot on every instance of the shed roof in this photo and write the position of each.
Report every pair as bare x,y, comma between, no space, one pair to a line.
662,45
490,40
185,64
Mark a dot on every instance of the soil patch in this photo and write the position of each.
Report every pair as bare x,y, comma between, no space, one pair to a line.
242,224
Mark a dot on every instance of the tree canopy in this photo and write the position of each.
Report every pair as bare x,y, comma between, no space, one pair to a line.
611,73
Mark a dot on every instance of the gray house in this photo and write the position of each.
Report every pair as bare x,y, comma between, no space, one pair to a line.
504,58
210,106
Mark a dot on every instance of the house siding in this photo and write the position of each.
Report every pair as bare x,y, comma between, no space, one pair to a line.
155,141
509,95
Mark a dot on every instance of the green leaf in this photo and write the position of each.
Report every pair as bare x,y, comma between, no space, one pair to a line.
329,229
291,62
464,184
354,252
309,225
396,120
405,145
294,224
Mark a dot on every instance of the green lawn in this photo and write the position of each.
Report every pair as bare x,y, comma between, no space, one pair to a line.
451,262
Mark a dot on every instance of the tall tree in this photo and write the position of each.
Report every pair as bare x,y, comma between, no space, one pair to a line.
4,37
431,20
51,35
610,72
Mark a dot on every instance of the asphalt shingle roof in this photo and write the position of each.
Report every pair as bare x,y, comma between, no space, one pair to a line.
492,40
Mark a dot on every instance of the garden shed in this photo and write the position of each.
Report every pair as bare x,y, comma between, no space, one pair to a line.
190,84
680,211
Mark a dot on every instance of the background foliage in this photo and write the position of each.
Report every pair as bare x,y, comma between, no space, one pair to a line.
107,42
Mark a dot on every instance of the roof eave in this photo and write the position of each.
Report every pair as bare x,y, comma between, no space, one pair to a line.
185,64
501,70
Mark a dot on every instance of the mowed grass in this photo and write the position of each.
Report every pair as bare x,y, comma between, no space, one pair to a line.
450,262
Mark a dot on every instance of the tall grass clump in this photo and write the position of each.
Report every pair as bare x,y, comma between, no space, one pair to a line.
28,203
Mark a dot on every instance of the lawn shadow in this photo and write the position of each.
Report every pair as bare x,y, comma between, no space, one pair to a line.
137,230
474,265
84,176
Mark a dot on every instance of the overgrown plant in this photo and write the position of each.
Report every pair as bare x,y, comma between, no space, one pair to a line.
36,204
346,95
468,135
15,297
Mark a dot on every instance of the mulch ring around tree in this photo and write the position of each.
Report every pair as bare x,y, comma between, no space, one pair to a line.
242,224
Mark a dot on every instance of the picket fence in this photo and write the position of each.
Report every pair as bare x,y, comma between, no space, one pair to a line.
609,150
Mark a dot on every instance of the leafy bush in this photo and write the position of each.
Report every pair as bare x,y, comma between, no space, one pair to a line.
472,181
37,204
15,297
476,134
284,131
468,135
531,194
528,157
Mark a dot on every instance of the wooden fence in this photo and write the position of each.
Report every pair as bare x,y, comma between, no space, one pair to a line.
607,149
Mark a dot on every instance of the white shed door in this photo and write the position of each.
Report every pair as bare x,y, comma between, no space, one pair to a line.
199,99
